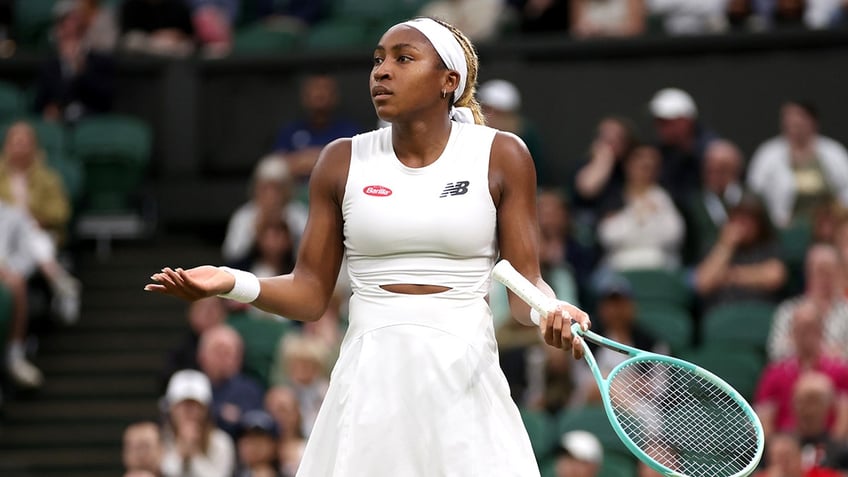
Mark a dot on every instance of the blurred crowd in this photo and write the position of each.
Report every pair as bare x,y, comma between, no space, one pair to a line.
674,239
679,243
215,28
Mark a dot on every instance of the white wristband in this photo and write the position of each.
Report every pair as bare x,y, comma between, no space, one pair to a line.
535,317
246,289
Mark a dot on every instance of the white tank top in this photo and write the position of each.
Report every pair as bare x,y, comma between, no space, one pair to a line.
433,225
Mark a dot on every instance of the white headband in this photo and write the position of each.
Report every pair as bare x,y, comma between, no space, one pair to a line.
451,53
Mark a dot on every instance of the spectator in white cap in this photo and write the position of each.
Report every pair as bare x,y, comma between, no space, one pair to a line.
581,455
500,101
271,194
681,139
194,447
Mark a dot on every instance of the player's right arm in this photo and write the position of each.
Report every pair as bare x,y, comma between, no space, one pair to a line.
304,293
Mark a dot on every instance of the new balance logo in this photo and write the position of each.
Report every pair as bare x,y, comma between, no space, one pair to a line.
455,188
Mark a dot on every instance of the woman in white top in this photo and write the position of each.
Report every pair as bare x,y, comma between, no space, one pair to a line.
800,169
647,231
607,18
193,446
271,196
421,210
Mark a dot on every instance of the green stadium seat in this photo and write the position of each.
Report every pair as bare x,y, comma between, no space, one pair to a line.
359,24
51,136
261,341
795,239
381,11
73,176
53,139
743,324
339,33
659,286
541,430
258,39
592,419
114,151
32,22
667,322
741,367
11,102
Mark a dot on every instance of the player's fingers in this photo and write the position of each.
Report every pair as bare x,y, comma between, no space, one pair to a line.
191,291
166,287
583,318
577,347
566,330
579,316
186,278
565,333
556,328
192,288
547,330
187,286
180,287
175,277
164,279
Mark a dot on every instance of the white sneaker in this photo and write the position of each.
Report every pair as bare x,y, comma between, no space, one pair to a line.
66,299
25,374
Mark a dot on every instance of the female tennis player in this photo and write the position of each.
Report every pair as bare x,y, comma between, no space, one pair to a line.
421,210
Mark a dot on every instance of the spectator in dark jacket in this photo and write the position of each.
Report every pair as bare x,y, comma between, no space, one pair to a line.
220,354
75,81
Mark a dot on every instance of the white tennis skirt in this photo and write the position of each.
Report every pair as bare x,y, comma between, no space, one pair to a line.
417,391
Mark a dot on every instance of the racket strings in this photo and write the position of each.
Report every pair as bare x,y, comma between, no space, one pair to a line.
682,420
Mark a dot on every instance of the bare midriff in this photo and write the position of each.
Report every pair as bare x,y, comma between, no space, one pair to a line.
414,289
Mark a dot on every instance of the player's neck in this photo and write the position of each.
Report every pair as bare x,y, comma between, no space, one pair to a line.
419,143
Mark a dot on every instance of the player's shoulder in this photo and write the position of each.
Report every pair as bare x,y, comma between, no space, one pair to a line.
338,145
334,160
510,151
510,142
510,162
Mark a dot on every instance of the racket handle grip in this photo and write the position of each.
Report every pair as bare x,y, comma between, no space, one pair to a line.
505,273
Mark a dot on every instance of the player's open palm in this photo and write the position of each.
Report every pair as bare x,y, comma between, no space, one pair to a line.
192,284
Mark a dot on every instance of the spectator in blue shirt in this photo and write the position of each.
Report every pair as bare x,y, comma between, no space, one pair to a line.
220,354
301,140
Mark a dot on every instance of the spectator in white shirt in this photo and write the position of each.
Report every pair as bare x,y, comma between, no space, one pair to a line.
799,169
646,231
272,193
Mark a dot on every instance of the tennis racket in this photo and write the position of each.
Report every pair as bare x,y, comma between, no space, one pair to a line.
680,419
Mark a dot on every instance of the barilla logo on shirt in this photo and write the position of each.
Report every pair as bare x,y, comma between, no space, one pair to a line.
377,191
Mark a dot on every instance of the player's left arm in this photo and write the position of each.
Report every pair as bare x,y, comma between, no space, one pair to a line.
512,182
